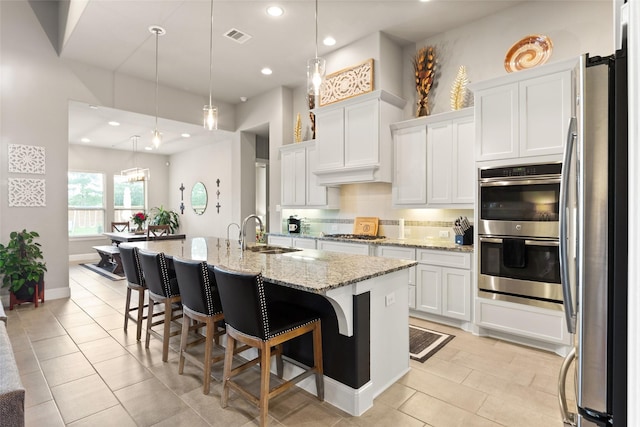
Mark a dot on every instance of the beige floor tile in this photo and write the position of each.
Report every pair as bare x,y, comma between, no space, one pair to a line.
26,361
437,413
129,337
382,416
112,321
192,377
115,416
509,413
44,414
238,413
83,397
54,347
150,401
19,340
69,367
85,333
63,306
313,414
395,395
443,368
98,309
186,418
493,366
102,349
75,319
43,331
122,371
150,356
36,389
460,395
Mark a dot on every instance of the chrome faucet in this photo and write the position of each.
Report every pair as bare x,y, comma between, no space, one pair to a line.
239,238
243,243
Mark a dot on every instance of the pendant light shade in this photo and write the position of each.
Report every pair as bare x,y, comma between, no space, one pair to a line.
316,67
157,136
135,173
210,111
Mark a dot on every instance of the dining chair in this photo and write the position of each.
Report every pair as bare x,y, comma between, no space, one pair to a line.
135,282
254,321
120,227
162,289
200,308
157,231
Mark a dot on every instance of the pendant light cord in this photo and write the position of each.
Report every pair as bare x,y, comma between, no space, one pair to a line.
211,55
157,31
316,16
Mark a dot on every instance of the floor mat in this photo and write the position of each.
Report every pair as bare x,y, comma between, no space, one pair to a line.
424,343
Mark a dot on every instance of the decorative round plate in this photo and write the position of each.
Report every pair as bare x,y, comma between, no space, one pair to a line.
529,52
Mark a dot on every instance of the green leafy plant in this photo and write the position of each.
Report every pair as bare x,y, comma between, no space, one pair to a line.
20,261
162,216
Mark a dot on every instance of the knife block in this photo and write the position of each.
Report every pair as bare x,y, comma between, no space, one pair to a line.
466,238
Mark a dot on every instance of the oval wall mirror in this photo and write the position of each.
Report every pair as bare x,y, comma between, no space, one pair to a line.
199,198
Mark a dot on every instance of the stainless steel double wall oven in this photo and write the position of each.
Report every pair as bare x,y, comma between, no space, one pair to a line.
518,234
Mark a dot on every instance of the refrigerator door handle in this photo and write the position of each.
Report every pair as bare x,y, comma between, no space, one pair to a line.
570,311
568,418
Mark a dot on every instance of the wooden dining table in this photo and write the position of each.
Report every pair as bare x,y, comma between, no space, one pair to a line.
118,237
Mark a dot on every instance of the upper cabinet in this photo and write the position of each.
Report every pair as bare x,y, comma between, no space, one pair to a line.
354,139
434,162
299,184
524,114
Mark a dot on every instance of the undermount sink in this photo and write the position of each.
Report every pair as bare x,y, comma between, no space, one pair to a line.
271,249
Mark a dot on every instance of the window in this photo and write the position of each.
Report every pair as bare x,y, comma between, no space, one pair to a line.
128,198
85,203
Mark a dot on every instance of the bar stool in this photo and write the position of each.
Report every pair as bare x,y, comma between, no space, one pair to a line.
163,289
135,282
200,303
253,321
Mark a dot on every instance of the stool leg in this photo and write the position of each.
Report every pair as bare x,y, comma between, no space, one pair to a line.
228,360
140,313
208,348
265,371
167,330
183,341
317,360
279,364
152,304
127,306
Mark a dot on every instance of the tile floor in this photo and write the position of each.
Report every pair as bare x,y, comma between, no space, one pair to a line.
80,369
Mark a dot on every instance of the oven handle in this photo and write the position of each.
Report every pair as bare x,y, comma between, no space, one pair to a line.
570,311
516,181
526,242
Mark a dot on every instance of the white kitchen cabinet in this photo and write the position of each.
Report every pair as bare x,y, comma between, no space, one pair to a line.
303,243
524,114
300,186
402,253
354,140
443,283
434,163
450,160
279,241
344,247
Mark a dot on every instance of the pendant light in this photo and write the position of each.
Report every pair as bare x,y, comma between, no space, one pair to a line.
315,66
210,111
135,173
157,136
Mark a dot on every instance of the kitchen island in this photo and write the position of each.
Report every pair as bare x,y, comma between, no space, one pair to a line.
362,301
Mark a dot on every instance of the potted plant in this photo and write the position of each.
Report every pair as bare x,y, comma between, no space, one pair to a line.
21,266
162,216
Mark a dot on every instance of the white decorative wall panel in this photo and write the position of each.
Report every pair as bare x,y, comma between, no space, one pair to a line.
26,192
26,159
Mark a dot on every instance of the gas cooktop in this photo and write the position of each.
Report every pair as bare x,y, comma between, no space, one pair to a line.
354,236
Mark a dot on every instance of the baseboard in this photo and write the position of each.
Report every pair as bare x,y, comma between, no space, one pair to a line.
49,294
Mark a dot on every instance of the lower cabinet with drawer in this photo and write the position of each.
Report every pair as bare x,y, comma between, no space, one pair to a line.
344,247
292,242
443,283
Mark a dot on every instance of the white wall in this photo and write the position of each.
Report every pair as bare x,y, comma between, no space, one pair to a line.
575,27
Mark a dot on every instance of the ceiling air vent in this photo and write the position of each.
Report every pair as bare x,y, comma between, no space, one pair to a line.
237,35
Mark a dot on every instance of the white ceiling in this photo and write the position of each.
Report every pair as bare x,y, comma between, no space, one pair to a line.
114,35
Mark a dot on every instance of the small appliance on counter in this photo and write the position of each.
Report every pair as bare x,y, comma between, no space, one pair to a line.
294,224
464,231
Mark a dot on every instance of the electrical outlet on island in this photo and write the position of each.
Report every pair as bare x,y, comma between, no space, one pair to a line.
334,228
444,233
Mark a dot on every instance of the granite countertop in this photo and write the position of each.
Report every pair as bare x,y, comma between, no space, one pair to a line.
426,243
309,270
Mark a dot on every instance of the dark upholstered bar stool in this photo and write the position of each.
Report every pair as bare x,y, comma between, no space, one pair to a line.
253,321
201,303
135,282
163,289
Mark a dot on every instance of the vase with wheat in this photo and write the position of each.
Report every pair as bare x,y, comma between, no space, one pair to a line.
424,64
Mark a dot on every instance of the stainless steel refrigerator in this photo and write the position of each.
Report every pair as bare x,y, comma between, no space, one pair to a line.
593,245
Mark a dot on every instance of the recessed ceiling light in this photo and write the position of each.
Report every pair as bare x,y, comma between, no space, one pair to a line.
85,140
148,148
93,107
185,135
243,98
114,123
275,11
329,41
266,71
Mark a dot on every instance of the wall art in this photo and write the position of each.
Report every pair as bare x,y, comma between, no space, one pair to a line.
26,192
347,83
26,159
